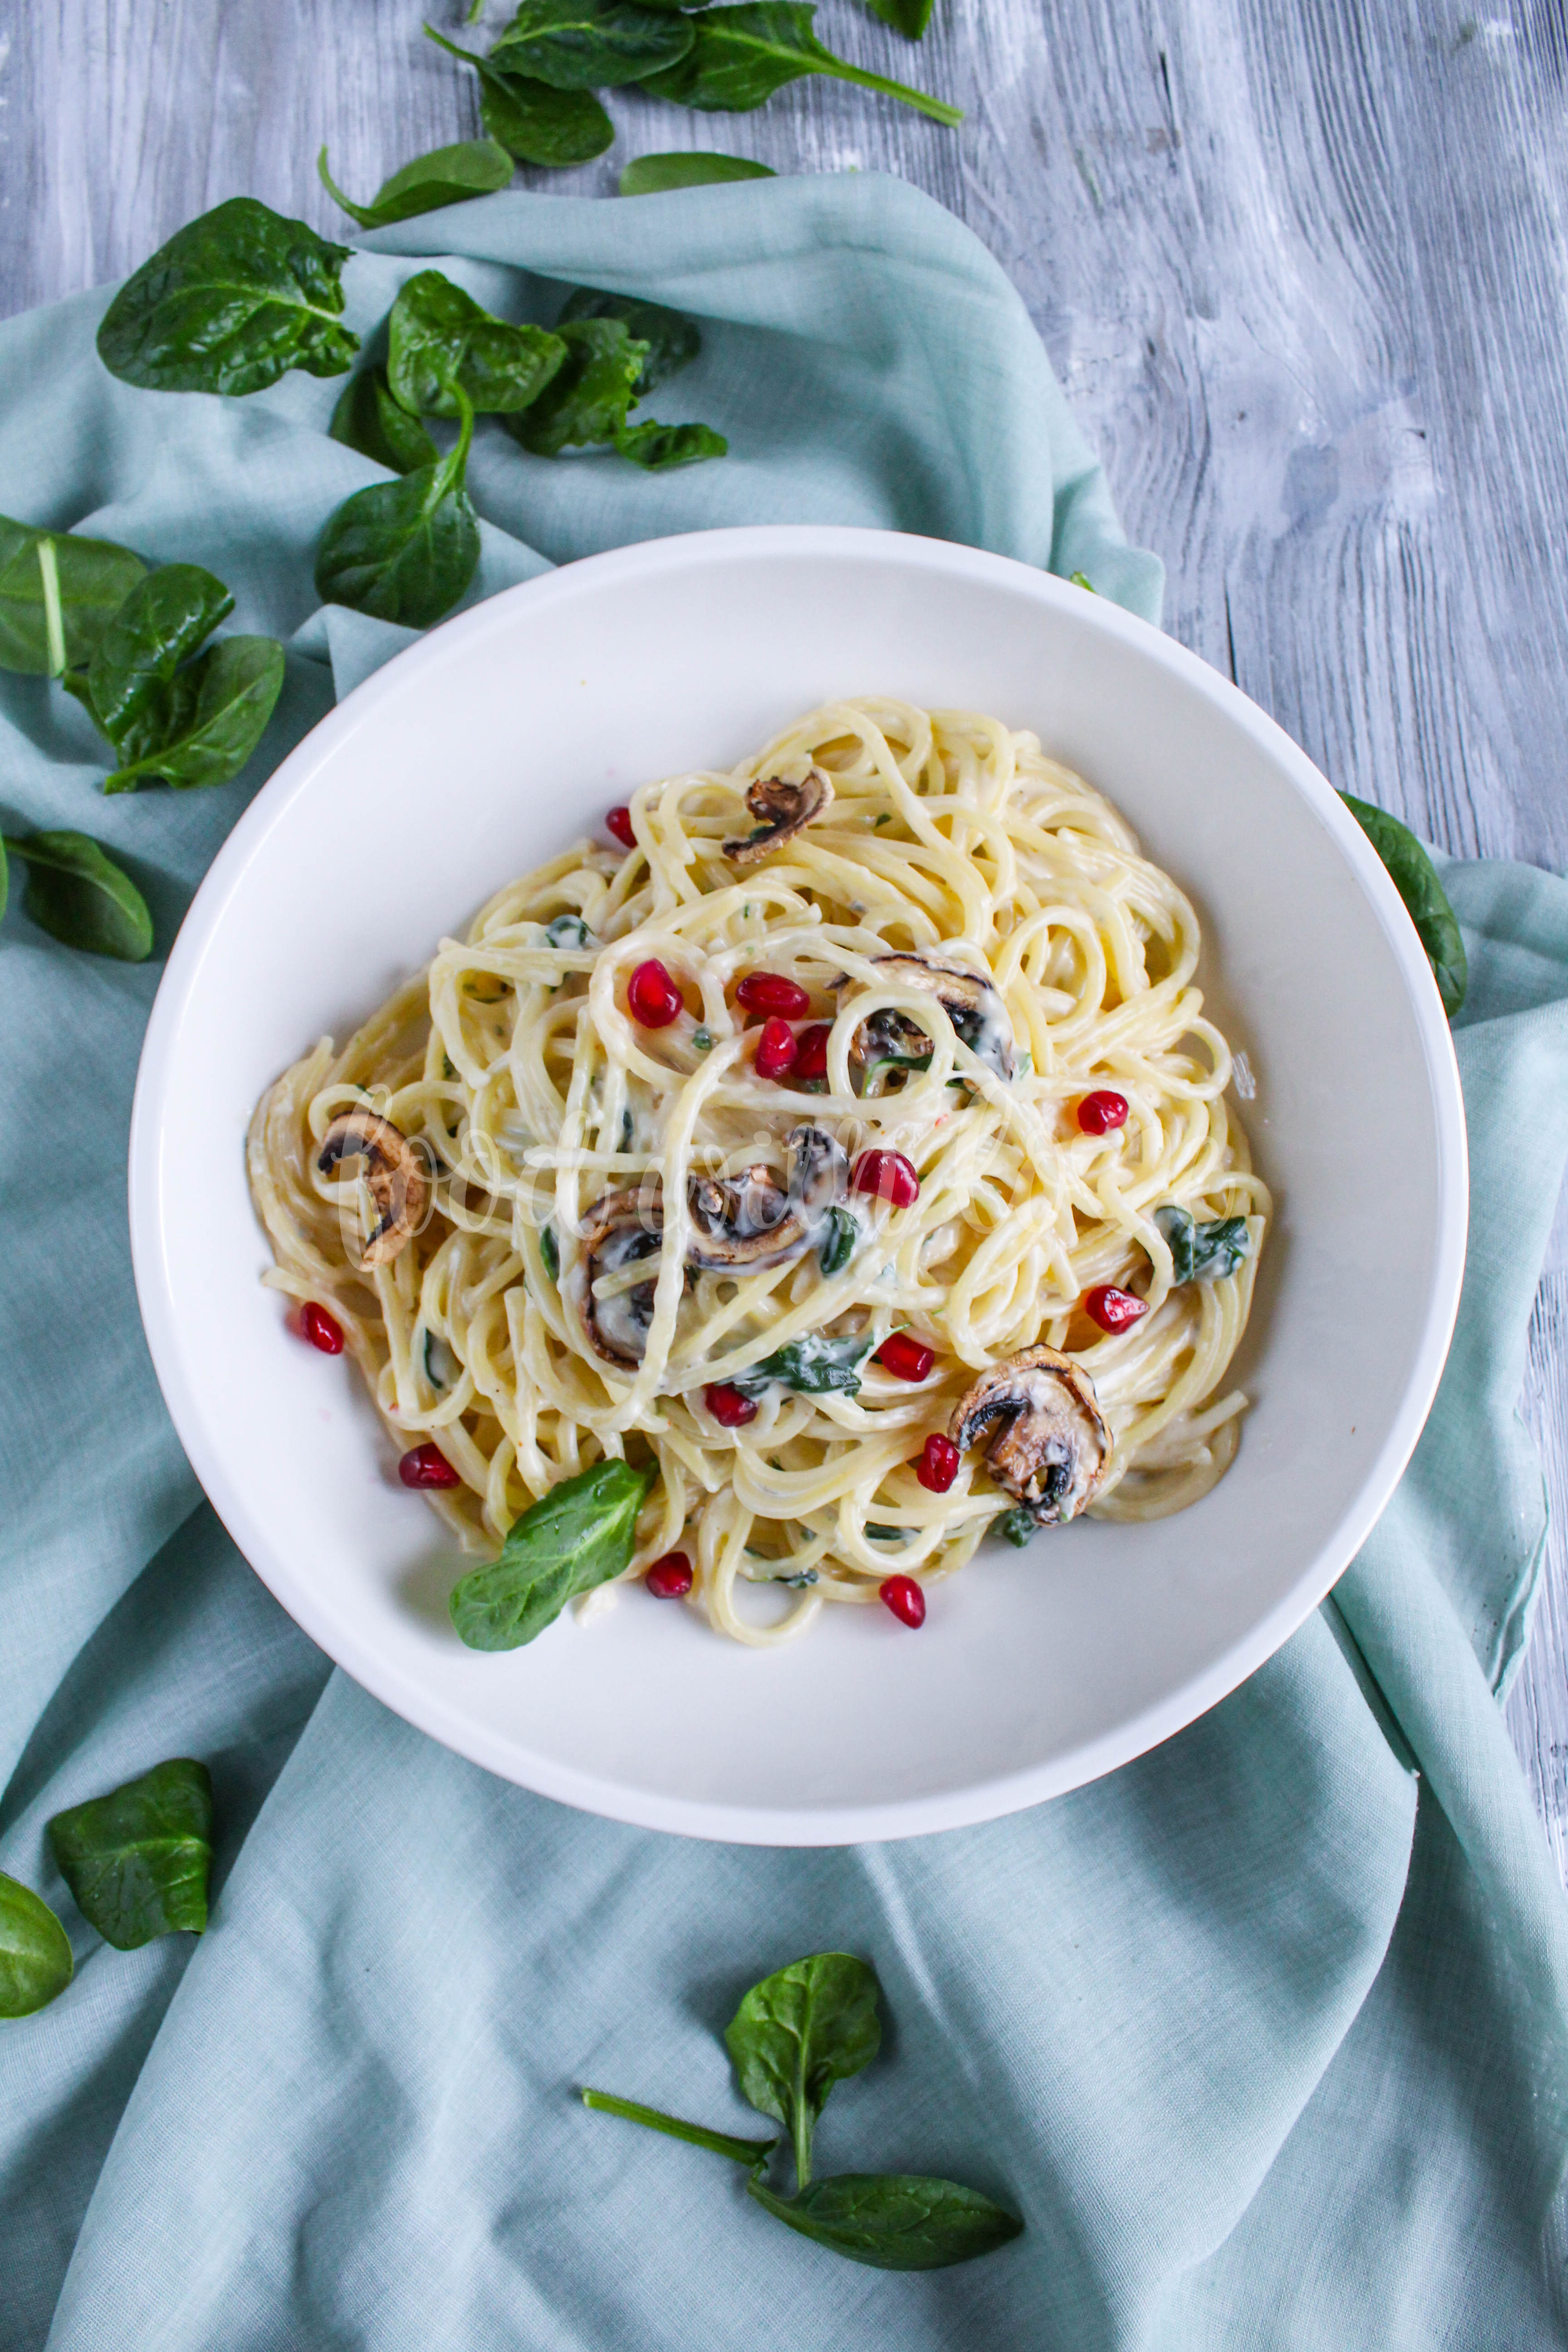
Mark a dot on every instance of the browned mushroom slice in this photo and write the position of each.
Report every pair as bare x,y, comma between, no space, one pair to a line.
750,1223
975,1009
396,1173
621,1230
1049,1447
781,809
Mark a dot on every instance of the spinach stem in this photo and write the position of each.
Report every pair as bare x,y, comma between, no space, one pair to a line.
54,623
749,2152
937,108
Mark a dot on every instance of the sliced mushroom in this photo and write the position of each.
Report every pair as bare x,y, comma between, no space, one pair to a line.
396,1173
618,1230
781,809
1050,1447
750,1223
974,1008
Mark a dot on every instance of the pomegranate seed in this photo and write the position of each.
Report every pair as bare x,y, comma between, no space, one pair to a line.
322,1330
669,1579
903,1596
727,1406
1113,1309
770,992
776,1049
1099,1112
619,824
652,997
426,1465
811,1051
938,1465
888,1174
905,1359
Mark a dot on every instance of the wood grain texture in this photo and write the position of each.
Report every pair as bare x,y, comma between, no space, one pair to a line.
1302,266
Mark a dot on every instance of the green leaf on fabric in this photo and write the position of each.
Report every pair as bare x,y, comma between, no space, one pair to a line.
232,301
1202,1253
799,2032
36,1961
660,449
137,1860
441,343
448,175
910,17
578,1536
673,339
405,550
160,625
893,2221
740,56
368,419
78,895
588,400
652,176
812,1366
190,722
58,595
1415,878
554,127
590,44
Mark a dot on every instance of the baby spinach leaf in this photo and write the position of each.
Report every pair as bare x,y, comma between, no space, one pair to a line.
554,127
590,44
1415,878
799,2032
588,400
442,342
752,2152
35,1951
910,17
660,449
893,2221
160,624
1019,1527
137,1860
838,1248
650,175
812,1366
1082,580
1202,1253
569,932
673,339
448,175
405,550
550,1251
77,894
231,303
368,419
578,1536
741,56
58,595
189,722
217,717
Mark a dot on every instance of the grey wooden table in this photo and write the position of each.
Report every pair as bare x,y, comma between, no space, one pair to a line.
1301,264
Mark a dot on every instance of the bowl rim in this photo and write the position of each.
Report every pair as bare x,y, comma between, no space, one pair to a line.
821,1825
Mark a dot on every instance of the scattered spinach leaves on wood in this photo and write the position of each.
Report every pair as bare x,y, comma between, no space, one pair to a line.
78,895
812,1366
1415,878
554,127
405,550
578,1536
36,1961
1202,1253
591,43
137,1860
443,345
188,722
910,17
448,175
58,595
230,304
795,2035
740,56
651,175
368,419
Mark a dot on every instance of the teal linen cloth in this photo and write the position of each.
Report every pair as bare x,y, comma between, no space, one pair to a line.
1265,2035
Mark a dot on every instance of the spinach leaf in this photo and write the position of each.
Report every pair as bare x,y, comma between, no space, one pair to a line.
741,56
189,722
1415,878
673,339
442,345
1202,1253
799,2032
893,2221
405,550
660,449
58,595
590,44
569,932
448,175
812,1366
79,895
1082,580
588,400
535,124
910,17
843,1232
368,419
650,175
1019,1527
740,2151
578,1536
232,301
35,1951
137,1860
550,1251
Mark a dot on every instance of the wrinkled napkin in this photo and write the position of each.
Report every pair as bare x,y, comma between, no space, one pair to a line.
1265,2035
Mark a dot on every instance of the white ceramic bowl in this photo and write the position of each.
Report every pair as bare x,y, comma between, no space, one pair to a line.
489,747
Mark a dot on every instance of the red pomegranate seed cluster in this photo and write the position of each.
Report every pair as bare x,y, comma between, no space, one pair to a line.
770,992
811,1051
322,1330
426,1465
1113,1309
903,1596
652,997
938,1465
1100,1111
777,1051
669,1579
889,1175
618,825
905,1359
729,1407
